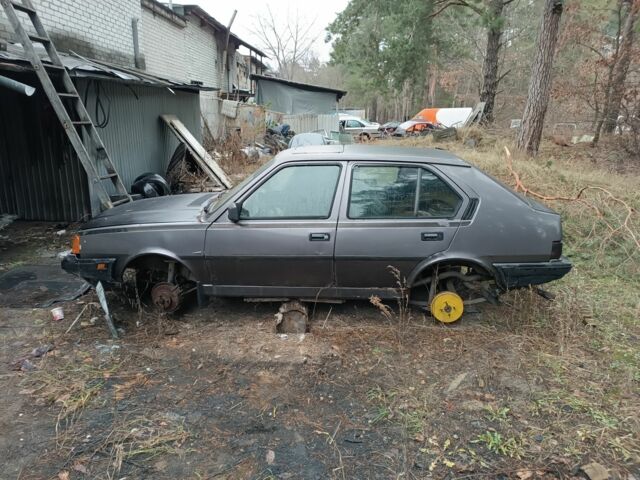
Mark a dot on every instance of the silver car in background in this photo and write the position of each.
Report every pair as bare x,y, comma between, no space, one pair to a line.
357,127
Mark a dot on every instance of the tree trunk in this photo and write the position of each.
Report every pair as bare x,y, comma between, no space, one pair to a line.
540,85
433,83
491,59
611,109
373,110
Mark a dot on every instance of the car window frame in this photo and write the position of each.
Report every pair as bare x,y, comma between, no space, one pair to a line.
358,124
250,191
353,165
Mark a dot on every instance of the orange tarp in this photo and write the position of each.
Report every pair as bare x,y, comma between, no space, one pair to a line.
427,114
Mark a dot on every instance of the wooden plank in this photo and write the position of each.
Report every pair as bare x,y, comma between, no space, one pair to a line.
201,156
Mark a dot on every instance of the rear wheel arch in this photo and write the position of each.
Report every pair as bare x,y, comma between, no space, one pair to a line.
428,265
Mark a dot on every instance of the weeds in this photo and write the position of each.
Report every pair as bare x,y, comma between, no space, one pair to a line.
496,443
499,414
402,317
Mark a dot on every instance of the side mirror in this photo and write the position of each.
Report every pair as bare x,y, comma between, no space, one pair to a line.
234,212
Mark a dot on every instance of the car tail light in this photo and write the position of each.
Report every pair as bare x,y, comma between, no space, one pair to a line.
556,249
75,244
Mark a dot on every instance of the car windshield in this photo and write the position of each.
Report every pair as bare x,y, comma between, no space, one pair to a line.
229,193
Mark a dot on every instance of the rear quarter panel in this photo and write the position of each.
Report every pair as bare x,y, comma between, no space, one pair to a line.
504,227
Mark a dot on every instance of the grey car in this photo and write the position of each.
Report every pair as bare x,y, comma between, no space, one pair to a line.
332,222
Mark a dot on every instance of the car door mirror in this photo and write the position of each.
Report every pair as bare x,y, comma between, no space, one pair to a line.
233,212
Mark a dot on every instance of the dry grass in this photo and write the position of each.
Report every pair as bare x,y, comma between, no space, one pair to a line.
228,153
148,436
70,386
585,336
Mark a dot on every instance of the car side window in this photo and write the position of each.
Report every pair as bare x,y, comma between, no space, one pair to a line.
383,192
353,124
302,191
391,191
436,198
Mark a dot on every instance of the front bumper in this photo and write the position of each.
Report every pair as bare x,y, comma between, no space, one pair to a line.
91,269
517,275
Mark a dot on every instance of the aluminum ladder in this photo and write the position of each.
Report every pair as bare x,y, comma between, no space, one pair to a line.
68,106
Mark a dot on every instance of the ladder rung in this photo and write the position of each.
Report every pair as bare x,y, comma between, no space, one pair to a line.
53,66
81,122
120,202
110,175
68,95
23,8
40,39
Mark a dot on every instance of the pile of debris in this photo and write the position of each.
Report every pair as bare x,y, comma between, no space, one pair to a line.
184,175
186,170
277,138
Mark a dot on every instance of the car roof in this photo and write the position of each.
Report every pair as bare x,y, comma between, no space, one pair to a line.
371,153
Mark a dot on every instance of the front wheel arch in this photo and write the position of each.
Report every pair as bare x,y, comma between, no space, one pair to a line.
150,259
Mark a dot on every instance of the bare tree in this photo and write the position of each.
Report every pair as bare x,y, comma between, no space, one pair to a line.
628,12
287,40
540,85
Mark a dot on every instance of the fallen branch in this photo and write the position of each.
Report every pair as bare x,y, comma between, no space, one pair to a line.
520,187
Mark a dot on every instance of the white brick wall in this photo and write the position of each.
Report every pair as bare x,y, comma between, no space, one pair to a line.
182,53
99,29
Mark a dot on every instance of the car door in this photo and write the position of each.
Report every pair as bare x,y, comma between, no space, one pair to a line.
392,214
354,127
285,236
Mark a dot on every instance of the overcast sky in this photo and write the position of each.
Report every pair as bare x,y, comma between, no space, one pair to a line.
323,12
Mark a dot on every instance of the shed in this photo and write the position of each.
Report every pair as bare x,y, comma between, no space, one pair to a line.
294,98
40,175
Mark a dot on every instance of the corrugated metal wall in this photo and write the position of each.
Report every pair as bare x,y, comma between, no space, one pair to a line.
136,138
308,122
40,176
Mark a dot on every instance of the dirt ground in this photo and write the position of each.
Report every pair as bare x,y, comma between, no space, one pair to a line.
215,393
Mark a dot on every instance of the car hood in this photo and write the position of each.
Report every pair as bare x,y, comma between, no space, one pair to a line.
169,209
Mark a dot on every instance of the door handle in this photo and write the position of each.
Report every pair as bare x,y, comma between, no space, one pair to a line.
432,236
319,237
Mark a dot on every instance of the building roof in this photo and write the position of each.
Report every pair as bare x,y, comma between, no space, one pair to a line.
14,59
372,153
199,12
302,86
177,14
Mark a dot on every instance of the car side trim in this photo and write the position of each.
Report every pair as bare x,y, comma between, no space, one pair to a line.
303,293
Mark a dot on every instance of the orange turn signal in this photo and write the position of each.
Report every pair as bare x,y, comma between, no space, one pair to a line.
101,266
75,244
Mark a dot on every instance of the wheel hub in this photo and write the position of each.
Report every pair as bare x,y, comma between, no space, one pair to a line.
166,296
447,307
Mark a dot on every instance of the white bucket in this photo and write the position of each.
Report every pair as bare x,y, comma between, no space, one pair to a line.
57,313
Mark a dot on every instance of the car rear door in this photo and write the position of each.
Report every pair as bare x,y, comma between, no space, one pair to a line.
392,214
285,237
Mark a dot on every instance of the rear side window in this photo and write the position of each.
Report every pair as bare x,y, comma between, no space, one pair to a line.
304,191
400,192
436,198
